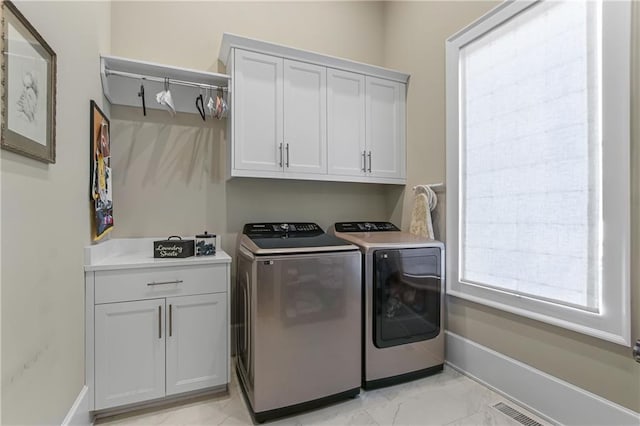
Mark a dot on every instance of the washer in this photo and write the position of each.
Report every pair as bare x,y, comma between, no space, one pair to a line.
298,311
403,299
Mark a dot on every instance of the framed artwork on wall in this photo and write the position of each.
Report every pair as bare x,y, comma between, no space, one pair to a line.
100,190
28,88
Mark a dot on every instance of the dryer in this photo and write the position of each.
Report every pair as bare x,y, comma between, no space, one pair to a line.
403,301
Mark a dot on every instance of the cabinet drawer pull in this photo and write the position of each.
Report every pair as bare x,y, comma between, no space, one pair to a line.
166,282
159,322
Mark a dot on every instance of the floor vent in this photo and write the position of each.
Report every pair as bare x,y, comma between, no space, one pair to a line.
516,415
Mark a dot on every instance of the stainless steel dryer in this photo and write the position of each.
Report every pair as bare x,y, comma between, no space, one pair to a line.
403,318
298,309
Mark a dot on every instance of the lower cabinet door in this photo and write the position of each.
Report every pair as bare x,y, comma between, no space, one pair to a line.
196,342
129,352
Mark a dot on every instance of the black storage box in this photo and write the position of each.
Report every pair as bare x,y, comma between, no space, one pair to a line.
172,248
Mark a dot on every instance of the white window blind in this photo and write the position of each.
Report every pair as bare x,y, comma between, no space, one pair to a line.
538,212
531,205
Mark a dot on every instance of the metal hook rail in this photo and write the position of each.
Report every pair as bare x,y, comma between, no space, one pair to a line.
109,72
436,187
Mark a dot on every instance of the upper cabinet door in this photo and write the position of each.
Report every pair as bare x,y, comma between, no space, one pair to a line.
346,123
257,111
305,118
386,145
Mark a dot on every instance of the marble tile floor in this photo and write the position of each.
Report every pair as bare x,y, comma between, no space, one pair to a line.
447,398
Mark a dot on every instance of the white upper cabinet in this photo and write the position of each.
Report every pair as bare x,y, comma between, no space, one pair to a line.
257,112
301,115
346,106
386,146
305,117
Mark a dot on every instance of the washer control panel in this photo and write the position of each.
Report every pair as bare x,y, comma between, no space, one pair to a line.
279,229
365,227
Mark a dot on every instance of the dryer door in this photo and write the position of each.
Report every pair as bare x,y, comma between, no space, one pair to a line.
406,298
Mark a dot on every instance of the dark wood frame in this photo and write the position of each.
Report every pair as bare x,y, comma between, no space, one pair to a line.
94,112
11,140
96,118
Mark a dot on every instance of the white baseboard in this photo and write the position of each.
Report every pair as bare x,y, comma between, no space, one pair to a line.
543,394
78,414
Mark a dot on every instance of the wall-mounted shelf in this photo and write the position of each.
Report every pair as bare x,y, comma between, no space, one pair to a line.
121,80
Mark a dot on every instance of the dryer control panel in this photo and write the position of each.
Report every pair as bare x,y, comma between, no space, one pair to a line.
365,227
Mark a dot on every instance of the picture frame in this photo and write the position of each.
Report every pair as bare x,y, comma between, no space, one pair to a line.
100,181
28,88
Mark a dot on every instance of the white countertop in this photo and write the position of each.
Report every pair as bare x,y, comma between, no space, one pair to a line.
127,253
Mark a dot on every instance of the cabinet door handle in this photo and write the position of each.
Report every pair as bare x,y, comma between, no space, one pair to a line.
280,148
287,156
426,276
166,282
160,322
364,161
369,161
170,320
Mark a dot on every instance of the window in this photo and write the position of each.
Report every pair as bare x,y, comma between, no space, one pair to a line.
538,153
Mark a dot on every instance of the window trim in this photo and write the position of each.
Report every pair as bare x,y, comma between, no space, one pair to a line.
613,322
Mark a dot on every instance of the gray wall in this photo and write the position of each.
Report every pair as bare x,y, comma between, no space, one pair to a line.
45,225
169,179
169,172
408,36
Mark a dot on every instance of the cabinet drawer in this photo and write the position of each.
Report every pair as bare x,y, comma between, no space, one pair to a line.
150,283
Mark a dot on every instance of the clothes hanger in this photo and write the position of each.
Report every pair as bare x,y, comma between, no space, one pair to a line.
200,105
225,105
168,98
141,95
219,103
211,105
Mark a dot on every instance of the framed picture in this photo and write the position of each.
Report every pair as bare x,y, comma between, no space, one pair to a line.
28,88
100,189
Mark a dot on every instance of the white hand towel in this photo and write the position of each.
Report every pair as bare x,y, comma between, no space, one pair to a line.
424,202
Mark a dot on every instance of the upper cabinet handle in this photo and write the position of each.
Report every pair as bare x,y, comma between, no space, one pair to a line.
287,155
369,161
364,161
280,148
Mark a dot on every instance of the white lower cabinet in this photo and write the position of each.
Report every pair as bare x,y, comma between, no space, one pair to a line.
195,358
156,332
130,352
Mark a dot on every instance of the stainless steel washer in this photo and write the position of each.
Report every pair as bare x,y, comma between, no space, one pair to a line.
298,309
403,318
